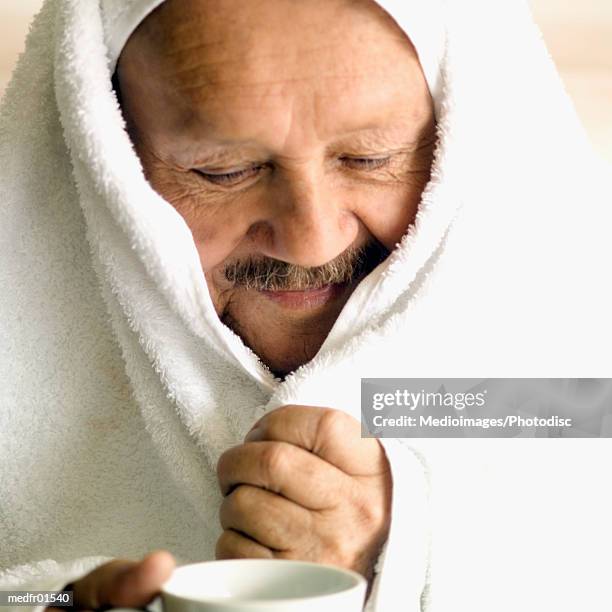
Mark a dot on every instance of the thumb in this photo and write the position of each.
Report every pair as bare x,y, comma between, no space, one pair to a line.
121,583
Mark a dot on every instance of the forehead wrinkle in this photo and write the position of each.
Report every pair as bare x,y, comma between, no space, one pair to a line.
210,109
186,42
201,75
177,20
199,49
255,69
270,85
213,73
172,29
181,57
203,100
202,84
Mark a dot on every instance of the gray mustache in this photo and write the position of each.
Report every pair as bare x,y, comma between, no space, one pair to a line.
275,275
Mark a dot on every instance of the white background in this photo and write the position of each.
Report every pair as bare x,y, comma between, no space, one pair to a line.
578,33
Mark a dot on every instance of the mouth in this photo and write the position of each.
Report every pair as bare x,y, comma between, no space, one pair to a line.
308,299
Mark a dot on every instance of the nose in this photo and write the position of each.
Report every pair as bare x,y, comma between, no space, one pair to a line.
308,223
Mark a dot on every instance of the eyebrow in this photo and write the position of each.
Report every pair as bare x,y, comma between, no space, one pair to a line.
216,154
366,138
376,137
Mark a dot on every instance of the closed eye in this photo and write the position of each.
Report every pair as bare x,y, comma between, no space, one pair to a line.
366,163
236,177
229,179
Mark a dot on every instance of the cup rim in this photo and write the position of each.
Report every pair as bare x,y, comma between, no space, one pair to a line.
359,582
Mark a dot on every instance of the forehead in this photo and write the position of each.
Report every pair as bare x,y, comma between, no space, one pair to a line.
240,68
225,27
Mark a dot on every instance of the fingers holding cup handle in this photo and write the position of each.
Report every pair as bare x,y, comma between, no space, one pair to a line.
123,584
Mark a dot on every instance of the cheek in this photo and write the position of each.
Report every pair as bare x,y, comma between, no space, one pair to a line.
218,225
387,213
217,231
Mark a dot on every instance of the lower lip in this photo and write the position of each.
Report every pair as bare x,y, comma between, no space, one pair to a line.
305,299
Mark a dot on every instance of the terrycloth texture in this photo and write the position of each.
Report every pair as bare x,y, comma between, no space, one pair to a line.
119,19
121,388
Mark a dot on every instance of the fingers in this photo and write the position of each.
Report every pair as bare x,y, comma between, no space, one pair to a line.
285,469
271,520
123,583
234,545
294,424
330,434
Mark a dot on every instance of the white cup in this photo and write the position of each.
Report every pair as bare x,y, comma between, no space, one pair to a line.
258,585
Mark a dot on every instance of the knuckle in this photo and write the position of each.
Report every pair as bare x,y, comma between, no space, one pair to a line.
272,424
280,413
225,460
370,510
372,515
279,417
240,500
334,424
274,458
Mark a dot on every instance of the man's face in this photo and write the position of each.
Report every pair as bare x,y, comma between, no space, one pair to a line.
295,138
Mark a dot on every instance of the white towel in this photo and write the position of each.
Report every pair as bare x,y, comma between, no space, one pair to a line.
121,388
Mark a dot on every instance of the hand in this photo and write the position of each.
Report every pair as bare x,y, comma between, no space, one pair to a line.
305,485
122,584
